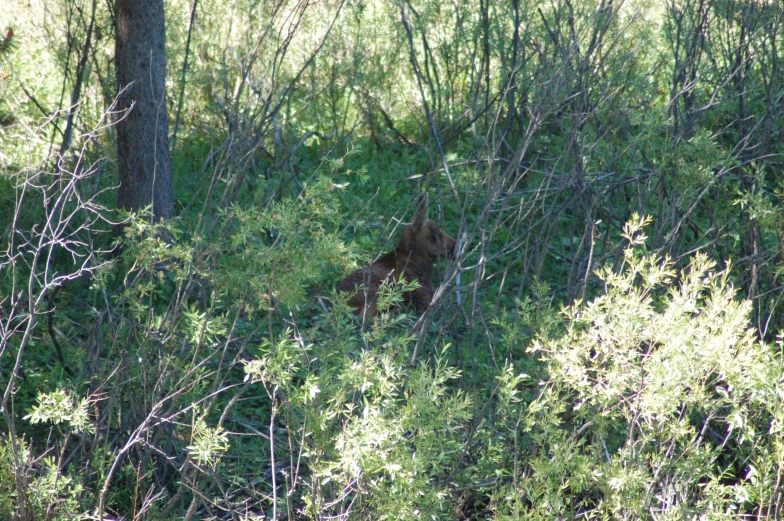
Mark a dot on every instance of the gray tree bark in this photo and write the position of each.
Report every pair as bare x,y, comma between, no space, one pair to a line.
143,134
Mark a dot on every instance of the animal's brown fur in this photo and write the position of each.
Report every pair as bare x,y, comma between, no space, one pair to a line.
420,244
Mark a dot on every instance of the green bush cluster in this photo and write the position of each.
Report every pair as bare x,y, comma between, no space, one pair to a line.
655,399
659,402
581,362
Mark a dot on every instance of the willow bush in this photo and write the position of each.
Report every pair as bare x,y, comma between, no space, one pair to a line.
659,402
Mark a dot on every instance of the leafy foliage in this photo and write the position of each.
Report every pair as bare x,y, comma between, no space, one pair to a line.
657,396
579,361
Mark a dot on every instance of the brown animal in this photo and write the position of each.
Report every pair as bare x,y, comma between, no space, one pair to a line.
420,244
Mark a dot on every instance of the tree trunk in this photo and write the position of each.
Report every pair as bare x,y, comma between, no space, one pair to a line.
143,134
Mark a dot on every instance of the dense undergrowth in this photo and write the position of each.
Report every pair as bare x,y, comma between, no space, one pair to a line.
606,346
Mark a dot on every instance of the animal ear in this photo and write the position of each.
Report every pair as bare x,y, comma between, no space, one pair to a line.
420,218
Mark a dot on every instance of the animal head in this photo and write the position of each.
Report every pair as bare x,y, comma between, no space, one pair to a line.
424,237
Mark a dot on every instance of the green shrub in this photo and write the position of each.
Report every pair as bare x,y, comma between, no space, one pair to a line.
661,403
